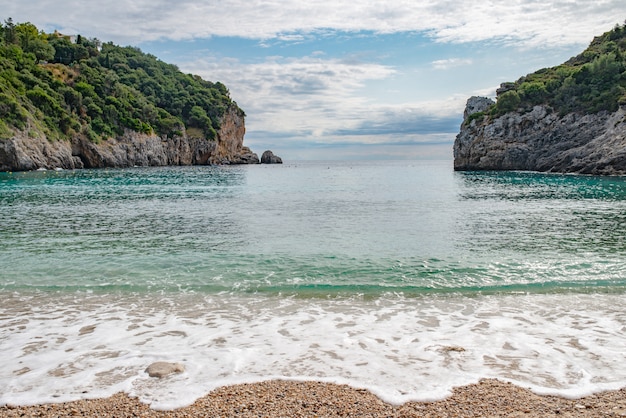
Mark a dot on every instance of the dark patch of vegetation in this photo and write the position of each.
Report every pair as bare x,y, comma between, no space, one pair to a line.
477,116
591,82
63,85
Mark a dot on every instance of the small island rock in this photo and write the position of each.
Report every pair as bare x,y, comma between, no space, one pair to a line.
268,157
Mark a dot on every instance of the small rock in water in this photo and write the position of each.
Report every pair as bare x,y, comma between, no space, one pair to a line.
268,157
161,369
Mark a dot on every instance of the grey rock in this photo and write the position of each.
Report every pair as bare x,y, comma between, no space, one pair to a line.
541,140
162,369
245,157
504,87
268,157
30,151
476,104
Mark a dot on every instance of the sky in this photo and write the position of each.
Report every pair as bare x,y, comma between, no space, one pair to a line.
337,79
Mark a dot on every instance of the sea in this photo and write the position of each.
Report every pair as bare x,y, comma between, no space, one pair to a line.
404,278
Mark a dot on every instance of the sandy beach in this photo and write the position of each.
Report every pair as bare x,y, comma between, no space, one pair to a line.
488,398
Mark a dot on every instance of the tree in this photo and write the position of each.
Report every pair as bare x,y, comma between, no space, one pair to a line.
9,32
534,92
25,33
199,119
43,50
508,101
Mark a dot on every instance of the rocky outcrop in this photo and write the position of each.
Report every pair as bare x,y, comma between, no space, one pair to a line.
229,146
541,140
23,152
30,151
268,157
476,104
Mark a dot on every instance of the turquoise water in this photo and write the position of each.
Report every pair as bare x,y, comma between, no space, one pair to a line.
303,228
253,267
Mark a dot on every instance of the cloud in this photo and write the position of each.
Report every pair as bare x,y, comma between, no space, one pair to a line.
530,23
301,95
446,64
321,100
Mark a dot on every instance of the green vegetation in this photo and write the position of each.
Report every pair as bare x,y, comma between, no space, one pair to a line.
61,86
478,116
591,82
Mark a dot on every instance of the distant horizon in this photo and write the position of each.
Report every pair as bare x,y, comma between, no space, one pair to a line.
343,80
391,152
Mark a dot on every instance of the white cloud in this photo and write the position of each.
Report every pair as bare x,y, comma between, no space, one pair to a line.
450,63
317,101
308,96
527,22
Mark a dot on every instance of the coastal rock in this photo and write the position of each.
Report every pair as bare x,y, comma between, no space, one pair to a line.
476,104
229,146
30,151
246,156
268,157
162,369
541,140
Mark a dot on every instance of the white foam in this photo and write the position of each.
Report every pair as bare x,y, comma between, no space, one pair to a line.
64,347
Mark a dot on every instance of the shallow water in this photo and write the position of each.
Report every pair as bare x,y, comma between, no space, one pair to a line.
401,277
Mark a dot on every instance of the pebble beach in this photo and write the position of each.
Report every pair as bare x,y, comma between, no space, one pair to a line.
276,398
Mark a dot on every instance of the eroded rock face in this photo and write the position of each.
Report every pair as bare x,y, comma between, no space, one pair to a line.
268,157
24,152
541,140
229,146
476,104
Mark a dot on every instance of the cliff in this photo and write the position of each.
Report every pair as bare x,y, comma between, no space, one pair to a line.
570,118
541,140
25,151
77,102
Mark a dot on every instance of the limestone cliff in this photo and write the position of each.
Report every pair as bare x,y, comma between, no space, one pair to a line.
541,140
29,150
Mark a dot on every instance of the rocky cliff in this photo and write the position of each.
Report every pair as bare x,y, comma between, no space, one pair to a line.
29,150
541,140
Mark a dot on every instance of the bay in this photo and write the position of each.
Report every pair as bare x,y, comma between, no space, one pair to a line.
342,271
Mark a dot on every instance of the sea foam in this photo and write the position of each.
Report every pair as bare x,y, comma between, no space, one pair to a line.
59,347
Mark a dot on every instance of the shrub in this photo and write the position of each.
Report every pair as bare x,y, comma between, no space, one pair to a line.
508,102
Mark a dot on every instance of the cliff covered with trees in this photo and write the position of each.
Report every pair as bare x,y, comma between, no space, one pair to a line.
72,102
568,118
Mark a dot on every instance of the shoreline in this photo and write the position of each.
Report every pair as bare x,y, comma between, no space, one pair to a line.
281,398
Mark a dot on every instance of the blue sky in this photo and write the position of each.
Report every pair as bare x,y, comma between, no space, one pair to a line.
343,79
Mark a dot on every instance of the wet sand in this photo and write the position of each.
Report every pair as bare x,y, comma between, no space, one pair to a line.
488,398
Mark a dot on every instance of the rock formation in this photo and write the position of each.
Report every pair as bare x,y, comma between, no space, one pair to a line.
229,147
30,151
268,157
541,140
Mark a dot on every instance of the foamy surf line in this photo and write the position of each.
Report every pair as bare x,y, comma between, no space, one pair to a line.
61,347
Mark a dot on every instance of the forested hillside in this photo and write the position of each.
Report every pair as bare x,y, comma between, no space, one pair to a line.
62,86
591,82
